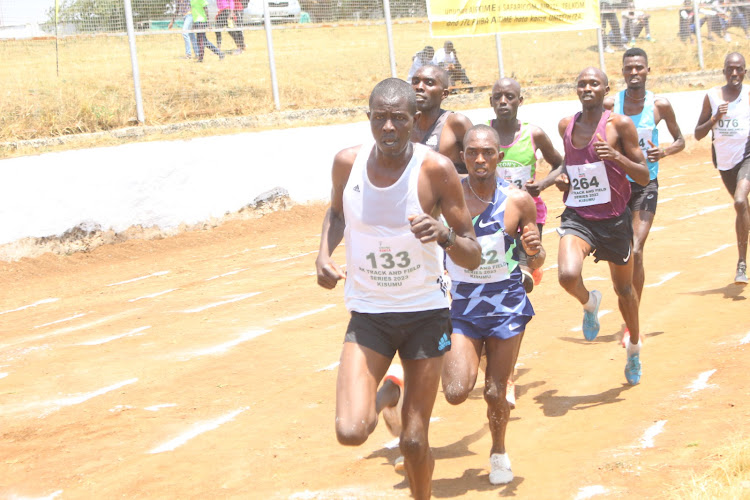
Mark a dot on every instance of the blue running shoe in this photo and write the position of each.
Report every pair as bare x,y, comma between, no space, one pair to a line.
591,319
633,369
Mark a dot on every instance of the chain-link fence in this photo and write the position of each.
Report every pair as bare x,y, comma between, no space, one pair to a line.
72,71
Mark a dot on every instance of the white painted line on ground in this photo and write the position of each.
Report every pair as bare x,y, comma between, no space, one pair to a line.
293,256
595,278
308,313
3,375
553,266
51,496
601,313
37,303
548,231
647,441
151,296
700,383
591,491
81,398
670,187
131,333
664,279
159,273
393,443
197,430
347,493
329,368
71,318
664,200
159,407
676,176
222,348
705,211
657,228
682,195
267,247
119,408
230,273
722,247
236,298
745,339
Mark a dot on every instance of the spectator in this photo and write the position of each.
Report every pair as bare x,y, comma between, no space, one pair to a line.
200,20
738,16
421,58
608,14
183,10
687,21
635,21
717,18
225,19
448,59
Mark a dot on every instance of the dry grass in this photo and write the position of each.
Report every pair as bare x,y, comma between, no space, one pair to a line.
728,477
318,67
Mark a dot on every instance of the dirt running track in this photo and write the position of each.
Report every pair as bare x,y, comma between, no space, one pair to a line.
203,366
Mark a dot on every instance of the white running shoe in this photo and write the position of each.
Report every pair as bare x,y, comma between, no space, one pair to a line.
398,464
741,277
500,472
392,414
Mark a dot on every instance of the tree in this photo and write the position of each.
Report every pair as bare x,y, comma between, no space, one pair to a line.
107,15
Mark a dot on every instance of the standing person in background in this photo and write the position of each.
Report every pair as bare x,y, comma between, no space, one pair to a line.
183,9
687,21
615,38
635,21
200,20
726,113
225,19
421,58
447,59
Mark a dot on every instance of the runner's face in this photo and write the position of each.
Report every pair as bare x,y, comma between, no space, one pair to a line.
481,156
505,100
635,71
734,72
430,92
391,123
591,89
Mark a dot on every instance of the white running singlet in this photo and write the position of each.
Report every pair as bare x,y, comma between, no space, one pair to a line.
730,132
388,268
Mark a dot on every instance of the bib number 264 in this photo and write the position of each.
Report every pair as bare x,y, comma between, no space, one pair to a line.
584,183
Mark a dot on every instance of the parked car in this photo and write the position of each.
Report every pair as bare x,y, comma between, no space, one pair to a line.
280,11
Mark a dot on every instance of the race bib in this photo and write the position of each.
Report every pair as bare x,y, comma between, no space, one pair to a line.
493,267
645,135
516,176
731,127
589,185
386,262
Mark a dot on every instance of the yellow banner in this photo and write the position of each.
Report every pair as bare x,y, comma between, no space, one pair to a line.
488,17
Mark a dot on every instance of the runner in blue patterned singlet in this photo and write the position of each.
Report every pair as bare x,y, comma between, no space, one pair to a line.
646,110
490,308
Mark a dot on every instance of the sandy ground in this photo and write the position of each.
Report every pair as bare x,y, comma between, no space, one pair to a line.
203,365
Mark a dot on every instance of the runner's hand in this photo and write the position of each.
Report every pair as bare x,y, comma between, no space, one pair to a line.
723,108
562,182
603,150
654,153
532,243
329,273
427,228
533,188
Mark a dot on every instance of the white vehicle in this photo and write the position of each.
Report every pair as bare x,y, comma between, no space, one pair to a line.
285,11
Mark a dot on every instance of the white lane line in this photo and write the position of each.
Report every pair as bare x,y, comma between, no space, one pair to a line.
676,176
151,296
664,279
51,496
3,375
159,273
197,430
393,443
37,303
705,211
661,188
159,407
329,368
236,298
267,247
131,333
554,266
294,256
81,398
664,200
700,383
71,318
590,491
601,313
722,247
647,441
308,313
657,228
745,339
230,273
682,195
550,230
222,348
594,278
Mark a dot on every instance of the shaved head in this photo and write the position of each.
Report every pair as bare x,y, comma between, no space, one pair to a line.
507,82
438,73
391,90
735,57
483,130
597,72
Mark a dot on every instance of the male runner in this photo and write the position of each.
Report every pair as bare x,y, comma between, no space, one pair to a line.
646,110
386,199
490,308
600,149
726,113
520,142
435,127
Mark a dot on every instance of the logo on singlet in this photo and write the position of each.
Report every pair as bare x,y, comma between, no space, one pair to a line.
432,141
356,188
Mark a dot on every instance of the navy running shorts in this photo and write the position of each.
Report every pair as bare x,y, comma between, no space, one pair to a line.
482,327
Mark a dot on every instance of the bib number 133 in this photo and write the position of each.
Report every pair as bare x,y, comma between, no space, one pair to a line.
388,260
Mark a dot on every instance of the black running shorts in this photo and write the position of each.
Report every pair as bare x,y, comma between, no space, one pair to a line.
734,175
610,239
644,197
415,335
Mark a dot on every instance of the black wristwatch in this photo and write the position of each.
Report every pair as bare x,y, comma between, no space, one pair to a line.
450,241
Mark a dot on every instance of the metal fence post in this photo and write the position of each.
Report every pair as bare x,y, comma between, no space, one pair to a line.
697,24
389,33
601,49
499,47
134,62
271,60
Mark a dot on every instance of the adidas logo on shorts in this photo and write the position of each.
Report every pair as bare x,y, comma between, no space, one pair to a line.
444,342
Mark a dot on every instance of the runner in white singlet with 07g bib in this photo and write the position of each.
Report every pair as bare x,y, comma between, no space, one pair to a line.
386,200
726,113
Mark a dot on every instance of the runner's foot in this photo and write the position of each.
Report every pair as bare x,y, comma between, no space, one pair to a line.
537,275
500,472
633,369
591,318
741,277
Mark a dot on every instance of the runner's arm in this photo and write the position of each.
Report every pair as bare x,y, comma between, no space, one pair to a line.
630,156
522,211
551,156
327,270
706,121
666,113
